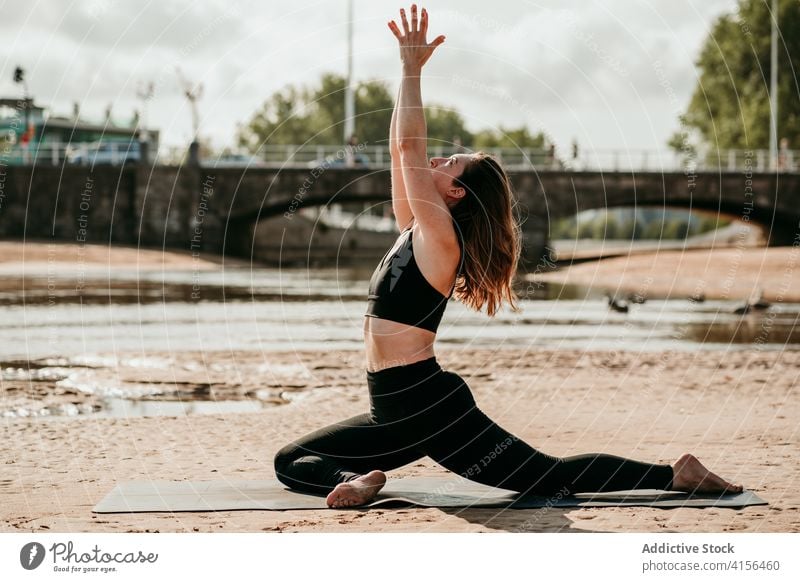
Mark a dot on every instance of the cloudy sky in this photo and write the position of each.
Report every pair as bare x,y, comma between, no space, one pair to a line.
611,74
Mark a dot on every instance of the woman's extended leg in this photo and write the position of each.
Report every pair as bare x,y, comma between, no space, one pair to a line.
471,444
479,449
341,452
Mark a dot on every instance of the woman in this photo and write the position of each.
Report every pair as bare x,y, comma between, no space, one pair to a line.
458,236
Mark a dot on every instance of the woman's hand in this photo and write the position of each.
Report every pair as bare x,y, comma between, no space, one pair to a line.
414,49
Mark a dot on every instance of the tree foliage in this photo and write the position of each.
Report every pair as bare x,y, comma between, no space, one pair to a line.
508,138
315,115
730,106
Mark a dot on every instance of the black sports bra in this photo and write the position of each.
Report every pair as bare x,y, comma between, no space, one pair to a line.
399,292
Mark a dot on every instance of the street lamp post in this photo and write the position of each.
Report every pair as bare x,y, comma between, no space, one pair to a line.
773,90
19,77
192,94
145,94
349,96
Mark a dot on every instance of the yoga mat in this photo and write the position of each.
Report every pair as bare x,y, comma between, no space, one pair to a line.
270,494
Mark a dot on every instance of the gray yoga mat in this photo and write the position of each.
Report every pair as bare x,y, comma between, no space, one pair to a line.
270,494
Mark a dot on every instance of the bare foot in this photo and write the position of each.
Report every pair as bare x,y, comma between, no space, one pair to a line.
359,491
690,475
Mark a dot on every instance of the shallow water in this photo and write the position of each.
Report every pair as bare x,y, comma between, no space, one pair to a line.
36,331
121,407
281,309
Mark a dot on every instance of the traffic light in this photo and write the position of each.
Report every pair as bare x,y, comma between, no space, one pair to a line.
19,75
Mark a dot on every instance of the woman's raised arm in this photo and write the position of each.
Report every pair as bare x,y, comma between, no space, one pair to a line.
428,208
400,205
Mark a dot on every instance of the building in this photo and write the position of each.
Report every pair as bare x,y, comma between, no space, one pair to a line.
28,134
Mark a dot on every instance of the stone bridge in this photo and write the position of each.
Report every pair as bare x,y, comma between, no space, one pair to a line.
251,212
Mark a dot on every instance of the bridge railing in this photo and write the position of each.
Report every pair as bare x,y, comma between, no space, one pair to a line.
733,160
516,159
79,153
378,156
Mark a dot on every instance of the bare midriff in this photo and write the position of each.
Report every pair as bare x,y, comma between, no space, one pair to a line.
390,343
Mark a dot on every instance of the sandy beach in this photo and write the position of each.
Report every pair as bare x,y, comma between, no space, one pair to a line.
33,255
736,410
717,273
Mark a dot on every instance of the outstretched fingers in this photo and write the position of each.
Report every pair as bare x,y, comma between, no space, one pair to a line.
404,20
395,30
414,47
437,41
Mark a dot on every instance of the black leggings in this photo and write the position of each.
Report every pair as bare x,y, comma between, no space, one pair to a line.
420,409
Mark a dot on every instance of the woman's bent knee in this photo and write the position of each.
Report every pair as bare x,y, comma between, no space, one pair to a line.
282,461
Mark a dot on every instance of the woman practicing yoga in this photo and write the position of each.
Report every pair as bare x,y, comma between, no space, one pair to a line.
458,236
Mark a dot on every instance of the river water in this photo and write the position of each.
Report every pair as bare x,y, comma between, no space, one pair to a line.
283,309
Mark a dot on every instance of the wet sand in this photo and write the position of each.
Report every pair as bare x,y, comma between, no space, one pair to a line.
736,411
719,273
16,257
42,272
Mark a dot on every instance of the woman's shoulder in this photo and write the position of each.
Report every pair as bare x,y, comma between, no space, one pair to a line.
435,259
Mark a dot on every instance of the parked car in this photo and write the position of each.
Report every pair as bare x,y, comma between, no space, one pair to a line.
105,152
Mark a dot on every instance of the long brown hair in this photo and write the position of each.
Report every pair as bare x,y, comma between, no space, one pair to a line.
490,235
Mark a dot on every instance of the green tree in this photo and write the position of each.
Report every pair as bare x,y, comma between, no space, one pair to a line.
374,106
315,115
625,231
599,230
520,137
676,229
326,106
709,223
730,105
586,229
444,126
653,230
638,230
277,122
612,228
298,115
564,228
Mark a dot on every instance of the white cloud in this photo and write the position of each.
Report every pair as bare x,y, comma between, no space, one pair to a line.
574,69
